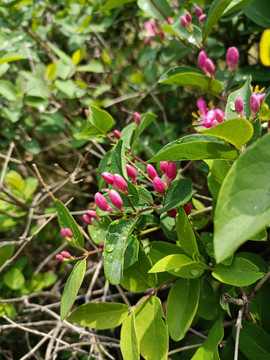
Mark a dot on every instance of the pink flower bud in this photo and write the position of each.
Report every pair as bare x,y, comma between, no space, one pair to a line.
63,232
214,123
102,203
117,134
163,166
69,233
187,208
85,111
87,219
201,106
201,59
159,185
183,22
202,17
59,257
172,213
188,18
92,213
116,199
151,171
254,104
137,118
131,172
101,245
120,183
198,11
108,177
209,67
169,20
261,96
66,254
232,57
220,116
239,106
171,170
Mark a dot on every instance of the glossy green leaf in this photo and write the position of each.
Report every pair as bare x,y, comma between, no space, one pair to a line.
195,147
78,55
114,248
189,77
136,278
6,253
244,93
257,130
241,272
8,90
10,57
129,342
178,194
72,287
236,5
237,131
185,233
100,315
215,12
66,220
30,186
254,342
14,278
112,4
209,349
208,303
168,226
132,250
93,66
98,122
218,169
181,307
67,60
151,330
15,180
178,30
118,162
243,206
259,12
161,12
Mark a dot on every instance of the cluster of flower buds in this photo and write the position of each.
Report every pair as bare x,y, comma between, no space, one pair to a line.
154,30
186,21
255,103
172,213
115,180
232,57
206,64
208,117
65,255
90,214
66,233
168,169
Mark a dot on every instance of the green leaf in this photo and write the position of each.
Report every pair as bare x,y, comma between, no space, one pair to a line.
244,93
6,253
151,330
51,70
132,250
30,186
218,169
195,79
136,278
129,343
243,206
66,220
181,307
178,194
14,278
63,56
236,131
93,66
257,130
241,272
254,342
118,162
98,122
151,10
178,265
15,181
72,287
114,248
208,303
68,87
185,234
236,5
215,12
258,11
78,55
195,147
209,349
8,90
146,120
178,30
100,315
11,57
112,4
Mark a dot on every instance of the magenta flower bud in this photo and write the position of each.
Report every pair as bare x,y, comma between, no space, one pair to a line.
69,233
108,177
187,208
198,11
116,199
183,22
171,170
172,213
66,254
63,232
85,111
209,67
59,257
188,18
254,104
201,59
120,183
232,57
214,123
239,106
202,17
92,213
131,172
159,185
117,134
169,20
261,96
151,171
101,245
163,166
137,118
102,203
87,219
220,116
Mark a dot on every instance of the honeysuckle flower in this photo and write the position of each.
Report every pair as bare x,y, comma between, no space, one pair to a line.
208,117
171,172
102,203
201,59
202,17
259,92
159,185
151,171
116,199
108,177
163,166
255,105
232,57
209,67
239,107
120,183
131,173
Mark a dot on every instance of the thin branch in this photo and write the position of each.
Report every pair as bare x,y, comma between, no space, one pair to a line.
238,327
4,169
